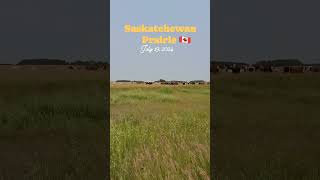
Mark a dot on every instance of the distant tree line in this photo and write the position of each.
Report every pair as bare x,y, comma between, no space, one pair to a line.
277,65
42,62
88,63
280,62
266,63
58,62
227,63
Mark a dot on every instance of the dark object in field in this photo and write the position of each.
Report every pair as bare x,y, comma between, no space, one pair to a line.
197,82
267,69
251,69
93,67
214,68
236,70
293,69
315,68
163,82
172,82
72,67
223,66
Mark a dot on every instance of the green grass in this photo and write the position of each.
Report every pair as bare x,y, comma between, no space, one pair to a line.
267,126
160,132
53,125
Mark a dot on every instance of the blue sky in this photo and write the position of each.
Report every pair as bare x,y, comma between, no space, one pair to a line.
187,62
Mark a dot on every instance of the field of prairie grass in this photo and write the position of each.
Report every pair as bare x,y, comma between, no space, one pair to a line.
53,124
267,126
160,132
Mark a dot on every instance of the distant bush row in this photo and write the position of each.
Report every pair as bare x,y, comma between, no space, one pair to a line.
274,63
58,62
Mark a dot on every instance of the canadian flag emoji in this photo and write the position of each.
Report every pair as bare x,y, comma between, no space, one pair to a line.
186,40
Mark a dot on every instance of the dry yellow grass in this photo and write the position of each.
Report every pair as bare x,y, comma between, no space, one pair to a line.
160,132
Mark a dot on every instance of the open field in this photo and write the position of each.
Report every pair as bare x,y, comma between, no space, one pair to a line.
160,132
53,124
267,126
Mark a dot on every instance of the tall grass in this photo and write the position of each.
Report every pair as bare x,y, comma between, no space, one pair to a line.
160,133
53,125
267,126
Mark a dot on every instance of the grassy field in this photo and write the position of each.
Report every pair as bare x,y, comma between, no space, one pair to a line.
160,132
53,124
267,126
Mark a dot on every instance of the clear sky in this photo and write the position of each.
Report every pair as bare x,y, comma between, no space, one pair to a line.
187,62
